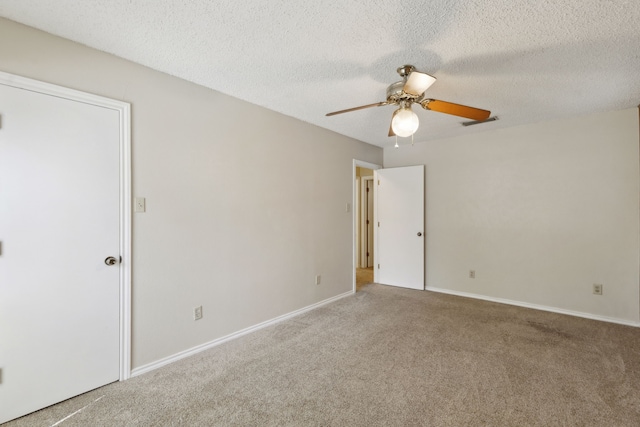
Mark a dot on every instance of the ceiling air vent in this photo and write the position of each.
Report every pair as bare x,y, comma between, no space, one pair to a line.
477,122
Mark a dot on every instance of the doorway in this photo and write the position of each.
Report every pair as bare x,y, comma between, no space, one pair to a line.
366,219
364,244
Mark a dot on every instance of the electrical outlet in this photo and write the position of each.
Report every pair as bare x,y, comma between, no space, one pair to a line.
318,279
597,289
472,274
197,313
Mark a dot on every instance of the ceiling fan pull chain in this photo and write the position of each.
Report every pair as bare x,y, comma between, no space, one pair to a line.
396,146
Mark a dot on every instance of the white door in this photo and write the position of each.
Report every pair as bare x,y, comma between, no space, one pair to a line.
399,217
59,220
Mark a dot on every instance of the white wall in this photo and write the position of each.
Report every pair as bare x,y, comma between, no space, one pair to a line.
241,214
541,212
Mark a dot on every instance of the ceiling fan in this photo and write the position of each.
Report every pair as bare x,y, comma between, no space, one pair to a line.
411,90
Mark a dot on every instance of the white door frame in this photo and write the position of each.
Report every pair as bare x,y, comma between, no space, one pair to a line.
124,110
354,219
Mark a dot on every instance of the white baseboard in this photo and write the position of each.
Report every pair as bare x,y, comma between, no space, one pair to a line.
537,307
197,349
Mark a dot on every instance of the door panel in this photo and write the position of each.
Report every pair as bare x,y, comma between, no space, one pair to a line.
59,220
399,217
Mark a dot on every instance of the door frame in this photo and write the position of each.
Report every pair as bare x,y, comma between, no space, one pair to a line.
124,112
354,219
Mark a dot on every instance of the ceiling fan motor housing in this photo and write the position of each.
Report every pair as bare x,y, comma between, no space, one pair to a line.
397,95
396,91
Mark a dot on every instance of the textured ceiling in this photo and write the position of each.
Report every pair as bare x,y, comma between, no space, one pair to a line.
525,60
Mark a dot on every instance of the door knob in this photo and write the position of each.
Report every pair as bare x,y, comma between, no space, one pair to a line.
110,260
419,234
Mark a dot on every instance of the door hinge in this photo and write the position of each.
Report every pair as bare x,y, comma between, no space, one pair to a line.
378,266
378,182
367,222
367,189
367,253
378,223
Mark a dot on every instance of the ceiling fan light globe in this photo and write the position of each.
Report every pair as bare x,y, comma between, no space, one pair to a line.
405,122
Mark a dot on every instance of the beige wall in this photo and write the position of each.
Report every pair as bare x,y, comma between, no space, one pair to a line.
244,205
540,212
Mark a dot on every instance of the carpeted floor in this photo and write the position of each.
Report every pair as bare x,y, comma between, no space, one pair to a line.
364,276
388,357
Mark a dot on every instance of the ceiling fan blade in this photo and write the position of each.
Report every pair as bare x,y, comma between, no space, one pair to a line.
362,107
417,83
455,109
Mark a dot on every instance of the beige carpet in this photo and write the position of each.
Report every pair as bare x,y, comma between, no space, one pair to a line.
388,357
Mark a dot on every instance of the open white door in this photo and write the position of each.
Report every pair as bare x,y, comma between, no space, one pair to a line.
59,222
399,221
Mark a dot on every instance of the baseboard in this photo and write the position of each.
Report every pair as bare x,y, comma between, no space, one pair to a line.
537,307
197,349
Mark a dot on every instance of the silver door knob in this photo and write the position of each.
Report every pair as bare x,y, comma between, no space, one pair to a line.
110,260
419,234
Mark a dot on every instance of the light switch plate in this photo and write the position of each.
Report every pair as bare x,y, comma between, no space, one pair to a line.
140,204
